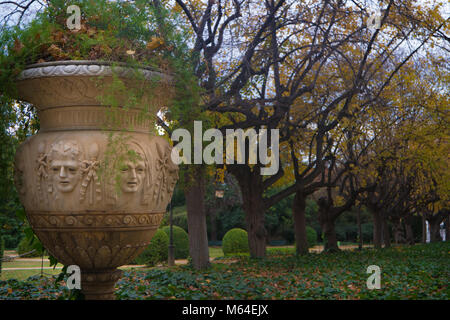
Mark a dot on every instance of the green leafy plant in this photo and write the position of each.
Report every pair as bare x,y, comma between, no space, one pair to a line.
138,34
180,241
235,241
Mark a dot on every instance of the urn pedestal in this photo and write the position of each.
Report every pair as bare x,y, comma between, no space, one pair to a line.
94,192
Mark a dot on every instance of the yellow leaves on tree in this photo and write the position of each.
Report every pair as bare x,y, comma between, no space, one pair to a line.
155,43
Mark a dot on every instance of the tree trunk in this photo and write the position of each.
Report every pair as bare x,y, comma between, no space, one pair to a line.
397,229
409,231
327,219
196,217
360,239
330,236
298,213
377,226
386,233
252,190
434,230
254,216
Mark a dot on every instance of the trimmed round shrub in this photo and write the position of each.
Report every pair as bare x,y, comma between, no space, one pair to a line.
235,241
25,246
180,241
157,250
311,236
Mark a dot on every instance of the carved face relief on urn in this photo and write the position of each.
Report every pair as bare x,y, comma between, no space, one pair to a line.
64,161
132,176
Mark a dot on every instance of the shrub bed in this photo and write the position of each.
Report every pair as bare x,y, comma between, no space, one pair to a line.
418,272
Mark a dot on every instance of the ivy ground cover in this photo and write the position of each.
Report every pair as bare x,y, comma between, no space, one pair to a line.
418,272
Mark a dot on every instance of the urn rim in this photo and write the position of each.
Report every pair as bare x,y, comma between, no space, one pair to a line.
87,68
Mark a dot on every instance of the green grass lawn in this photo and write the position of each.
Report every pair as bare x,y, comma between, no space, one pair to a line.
25,274
26,264
215,252
418,272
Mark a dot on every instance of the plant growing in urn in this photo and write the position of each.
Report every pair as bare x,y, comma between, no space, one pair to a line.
91,180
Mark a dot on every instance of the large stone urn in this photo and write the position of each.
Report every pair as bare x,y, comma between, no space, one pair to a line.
94,190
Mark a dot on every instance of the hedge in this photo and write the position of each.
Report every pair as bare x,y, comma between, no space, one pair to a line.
180,241
157,250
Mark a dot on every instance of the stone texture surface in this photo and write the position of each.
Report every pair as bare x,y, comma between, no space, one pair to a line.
94,190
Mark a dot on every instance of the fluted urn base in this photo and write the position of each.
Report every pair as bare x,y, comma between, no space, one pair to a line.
99,284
